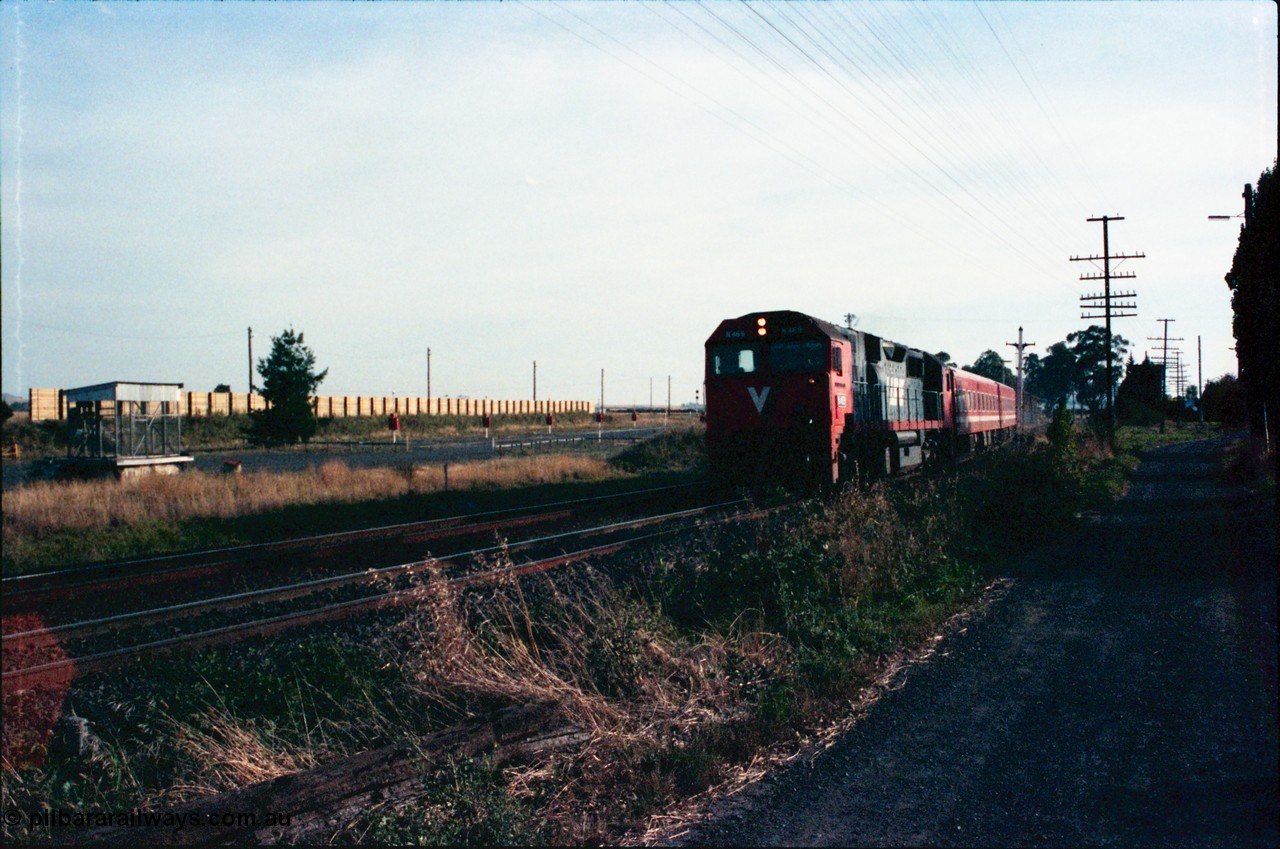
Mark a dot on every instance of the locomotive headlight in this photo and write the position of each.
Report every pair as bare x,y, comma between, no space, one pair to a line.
762,331
761,328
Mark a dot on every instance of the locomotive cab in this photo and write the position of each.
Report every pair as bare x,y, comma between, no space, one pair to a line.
775,384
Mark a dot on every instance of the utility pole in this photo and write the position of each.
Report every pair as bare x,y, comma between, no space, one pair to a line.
428,379
250,362
1019,345
1110,310
1199,382
1164,366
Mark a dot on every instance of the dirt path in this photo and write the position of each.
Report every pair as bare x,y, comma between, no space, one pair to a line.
1122,692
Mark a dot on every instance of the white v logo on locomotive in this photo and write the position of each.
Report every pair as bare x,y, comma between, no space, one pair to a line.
758,398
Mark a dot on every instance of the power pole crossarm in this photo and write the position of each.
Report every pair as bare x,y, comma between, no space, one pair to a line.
1109,310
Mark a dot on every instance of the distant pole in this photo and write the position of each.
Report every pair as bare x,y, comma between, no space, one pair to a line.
535,381
1164,366
428,379
1199,381
250,360
1018,403
1164,375
668,396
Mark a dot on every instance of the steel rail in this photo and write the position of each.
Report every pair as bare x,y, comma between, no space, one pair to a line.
20,586
22,679
90,627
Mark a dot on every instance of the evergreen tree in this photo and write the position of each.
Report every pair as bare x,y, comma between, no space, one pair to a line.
1140,398
1255,302
1089,348
989,364
289,380
1054,376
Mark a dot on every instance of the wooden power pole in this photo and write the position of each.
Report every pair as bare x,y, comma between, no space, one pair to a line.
1111,305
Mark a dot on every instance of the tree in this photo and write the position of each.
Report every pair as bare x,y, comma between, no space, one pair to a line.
1054,376
6,412
990,364
1089,347
289,380
222,387
1031,365
1224,401
1140,398
945,359
1255,301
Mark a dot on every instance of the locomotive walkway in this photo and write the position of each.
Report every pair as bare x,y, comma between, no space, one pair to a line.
1122,691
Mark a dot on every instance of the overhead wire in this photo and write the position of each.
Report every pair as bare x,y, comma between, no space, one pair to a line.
910,120
825,71
997,172
761,135
1000,190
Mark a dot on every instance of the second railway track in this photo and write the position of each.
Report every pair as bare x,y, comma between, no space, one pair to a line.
65,592
46,654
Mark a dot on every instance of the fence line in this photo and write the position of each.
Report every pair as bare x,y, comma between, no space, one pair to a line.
49,405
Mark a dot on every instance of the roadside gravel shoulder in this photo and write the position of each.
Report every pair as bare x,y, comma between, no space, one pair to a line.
1121,691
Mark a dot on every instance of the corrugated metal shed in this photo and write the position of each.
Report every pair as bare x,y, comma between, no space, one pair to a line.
119,390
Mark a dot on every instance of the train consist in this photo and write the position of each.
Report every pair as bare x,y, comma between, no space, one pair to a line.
791,397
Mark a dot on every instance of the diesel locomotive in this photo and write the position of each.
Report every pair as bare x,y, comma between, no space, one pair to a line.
793,398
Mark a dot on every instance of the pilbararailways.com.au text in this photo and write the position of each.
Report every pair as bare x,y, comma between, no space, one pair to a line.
138,818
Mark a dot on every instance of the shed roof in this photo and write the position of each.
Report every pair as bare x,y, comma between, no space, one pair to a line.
119,390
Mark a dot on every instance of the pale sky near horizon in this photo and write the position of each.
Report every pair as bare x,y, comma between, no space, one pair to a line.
596,185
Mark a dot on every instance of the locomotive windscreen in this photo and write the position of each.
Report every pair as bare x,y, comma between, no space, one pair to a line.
797,356
734,359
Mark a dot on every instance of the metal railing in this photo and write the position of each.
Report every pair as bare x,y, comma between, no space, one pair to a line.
876,402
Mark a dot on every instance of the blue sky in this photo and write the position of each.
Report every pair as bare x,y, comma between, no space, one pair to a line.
596,185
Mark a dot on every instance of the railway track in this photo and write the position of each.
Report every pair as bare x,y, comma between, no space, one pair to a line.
49,655
64,590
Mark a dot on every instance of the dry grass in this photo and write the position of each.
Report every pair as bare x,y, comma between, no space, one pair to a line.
44,508
227,754
611,665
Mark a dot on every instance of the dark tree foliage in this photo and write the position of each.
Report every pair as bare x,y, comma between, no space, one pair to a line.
289,380
222,387
6,412
1224,401
1254,300
1060,433
990,364
1089,347
1031,365
1140,398
1054,376
945,358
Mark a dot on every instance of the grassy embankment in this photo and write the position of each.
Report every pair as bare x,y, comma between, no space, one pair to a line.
36,440
53,524
683,663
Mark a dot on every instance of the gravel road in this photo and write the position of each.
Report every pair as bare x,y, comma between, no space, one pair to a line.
1122,691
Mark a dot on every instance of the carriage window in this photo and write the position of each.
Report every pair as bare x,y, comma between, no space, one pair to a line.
734,359
837,359
797,356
